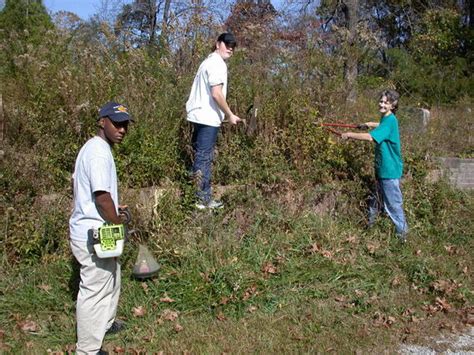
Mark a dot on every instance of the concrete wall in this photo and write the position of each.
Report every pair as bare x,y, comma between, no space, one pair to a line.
460,172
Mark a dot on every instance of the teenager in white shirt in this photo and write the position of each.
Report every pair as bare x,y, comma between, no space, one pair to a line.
206,109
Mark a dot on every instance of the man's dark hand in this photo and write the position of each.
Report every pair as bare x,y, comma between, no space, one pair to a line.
124,213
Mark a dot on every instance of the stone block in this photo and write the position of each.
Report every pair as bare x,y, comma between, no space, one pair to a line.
458,171
413,120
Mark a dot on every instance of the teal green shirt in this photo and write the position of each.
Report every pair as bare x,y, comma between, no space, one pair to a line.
388,154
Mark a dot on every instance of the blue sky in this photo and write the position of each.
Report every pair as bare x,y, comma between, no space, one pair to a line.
83,8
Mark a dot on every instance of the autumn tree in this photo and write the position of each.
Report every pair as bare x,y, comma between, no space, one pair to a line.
22,22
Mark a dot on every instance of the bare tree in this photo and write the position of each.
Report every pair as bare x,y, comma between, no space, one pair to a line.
164,22
351,61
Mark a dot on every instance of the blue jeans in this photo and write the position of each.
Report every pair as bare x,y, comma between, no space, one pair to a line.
388,195
203,141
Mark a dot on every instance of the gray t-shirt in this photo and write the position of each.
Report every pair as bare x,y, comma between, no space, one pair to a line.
94,171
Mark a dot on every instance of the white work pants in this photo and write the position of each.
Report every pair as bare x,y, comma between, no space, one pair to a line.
97,299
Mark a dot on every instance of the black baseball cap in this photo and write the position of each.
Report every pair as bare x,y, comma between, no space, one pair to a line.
228,38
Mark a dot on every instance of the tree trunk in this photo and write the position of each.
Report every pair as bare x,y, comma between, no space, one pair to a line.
351,62
164,23
153,12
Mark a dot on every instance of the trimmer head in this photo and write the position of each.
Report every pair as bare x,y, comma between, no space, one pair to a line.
146,266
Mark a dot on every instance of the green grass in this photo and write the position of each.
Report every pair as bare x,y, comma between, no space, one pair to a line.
264,277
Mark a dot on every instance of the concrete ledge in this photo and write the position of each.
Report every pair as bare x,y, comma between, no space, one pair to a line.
459,172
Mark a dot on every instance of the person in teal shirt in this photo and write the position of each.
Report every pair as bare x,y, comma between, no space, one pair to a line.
388,163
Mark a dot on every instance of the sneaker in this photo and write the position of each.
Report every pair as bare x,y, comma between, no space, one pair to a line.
211,205
215,204
117,326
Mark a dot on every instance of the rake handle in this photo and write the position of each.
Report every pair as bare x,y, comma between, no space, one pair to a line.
344,125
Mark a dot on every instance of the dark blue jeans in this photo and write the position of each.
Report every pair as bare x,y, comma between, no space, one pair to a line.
203,141
388,196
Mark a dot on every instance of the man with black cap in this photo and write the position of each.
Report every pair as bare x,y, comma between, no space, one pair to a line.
206,109
96,203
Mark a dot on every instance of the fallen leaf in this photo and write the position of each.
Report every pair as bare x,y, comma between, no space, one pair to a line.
70,348
441,302
341,299
269,268
327,254
249,292
383,320
45,288
444,325
139,311
251,309
178,328
224,300
145,287
430,309
351,239
119,350
166,299
418,252
396,281
445,286
450,249
408,312
220,316
29,326
314,248
297,337
372,248
170,315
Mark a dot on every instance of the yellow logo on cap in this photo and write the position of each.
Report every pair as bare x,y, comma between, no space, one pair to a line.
121,108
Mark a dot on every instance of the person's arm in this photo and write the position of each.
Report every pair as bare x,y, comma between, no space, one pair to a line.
358,136
218,96
106,207
372,124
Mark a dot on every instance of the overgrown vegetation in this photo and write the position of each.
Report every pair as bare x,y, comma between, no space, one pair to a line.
288,266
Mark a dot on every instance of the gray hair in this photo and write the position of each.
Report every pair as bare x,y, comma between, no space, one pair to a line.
392,97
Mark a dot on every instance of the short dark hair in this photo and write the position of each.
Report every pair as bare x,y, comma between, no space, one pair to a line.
392,97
